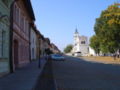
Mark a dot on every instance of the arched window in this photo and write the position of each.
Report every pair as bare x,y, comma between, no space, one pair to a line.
2,43
82,42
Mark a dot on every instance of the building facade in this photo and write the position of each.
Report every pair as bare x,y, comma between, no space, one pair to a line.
23,18
42,47
38,45
4,36
33,43
55,49
81,46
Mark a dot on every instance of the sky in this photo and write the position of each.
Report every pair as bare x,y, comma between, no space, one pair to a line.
58,19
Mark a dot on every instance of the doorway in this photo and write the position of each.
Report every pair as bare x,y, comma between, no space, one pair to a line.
16,53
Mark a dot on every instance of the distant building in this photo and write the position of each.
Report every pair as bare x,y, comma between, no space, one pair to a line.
55,49
42,48
38,44
33,42
81,46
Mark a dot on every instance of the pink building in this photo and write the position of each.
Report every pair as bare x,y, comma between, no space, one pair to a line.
23,18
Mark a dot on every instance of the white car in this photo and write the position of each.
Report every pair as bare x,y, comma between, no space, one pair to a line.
57,57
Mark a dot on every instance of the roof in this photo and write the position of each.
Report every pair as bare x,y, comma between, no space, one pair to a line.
42,37
30,9
48,40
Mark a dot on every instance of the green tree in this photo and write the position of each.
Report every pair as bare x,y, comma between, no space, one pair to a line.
68,48
107,28
95,44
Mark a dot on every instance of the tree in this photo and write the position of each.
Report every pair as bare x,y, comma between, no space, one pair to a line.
48,51
95,44
68,48
107,28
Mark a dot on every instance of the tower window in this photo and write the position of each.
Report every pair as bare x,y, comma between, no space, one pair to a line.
82,42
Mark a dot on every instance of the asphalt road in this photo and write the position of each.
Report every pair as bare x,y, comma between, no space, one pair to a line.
78,74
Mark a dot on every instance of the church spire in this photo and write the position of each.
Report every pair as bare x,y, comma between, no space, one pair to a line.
76,31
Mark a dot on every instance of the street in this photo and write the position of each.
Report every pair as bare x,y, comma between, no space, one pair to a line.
78,74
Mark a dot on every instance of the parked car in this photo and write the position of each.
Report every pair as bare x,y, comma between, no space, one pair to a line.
57,57
77,54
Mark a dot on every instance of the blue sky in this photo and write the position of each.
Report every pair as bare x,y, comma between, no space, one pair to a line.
58,19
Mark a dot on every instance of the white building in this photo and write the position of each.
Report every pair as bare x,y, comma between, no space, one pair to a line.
33,41
92,52
81,46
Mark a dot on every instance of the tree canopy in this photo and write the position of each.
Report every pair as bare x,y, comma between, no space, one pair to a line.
95,44
107,30
68,48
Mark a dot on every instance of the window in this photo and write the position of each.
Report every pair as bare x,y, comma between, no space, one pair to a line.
33,40
2,44
25,25
82,42
27,28
32,52
16,14
21,20
22,23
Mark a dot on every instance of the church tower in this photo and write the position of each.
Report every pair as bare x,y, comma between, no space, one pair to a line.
76,41
76,36
80,46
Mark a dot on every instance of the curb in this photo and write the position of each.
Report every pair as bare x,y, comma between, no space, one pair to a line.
55,83
46,80
42,68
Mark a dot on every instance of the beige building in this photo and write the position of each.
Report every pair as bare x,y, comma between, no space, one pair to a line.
22,19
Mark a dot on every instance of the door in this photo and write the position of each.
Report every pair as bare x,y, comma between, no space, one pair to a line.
16,53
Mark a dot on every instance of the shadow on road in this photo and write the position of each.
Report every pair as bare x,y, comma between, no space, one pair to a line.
78,74
46,81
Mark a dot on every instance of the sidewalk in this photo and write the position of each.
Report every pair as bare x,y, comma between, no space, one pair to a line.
24,78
